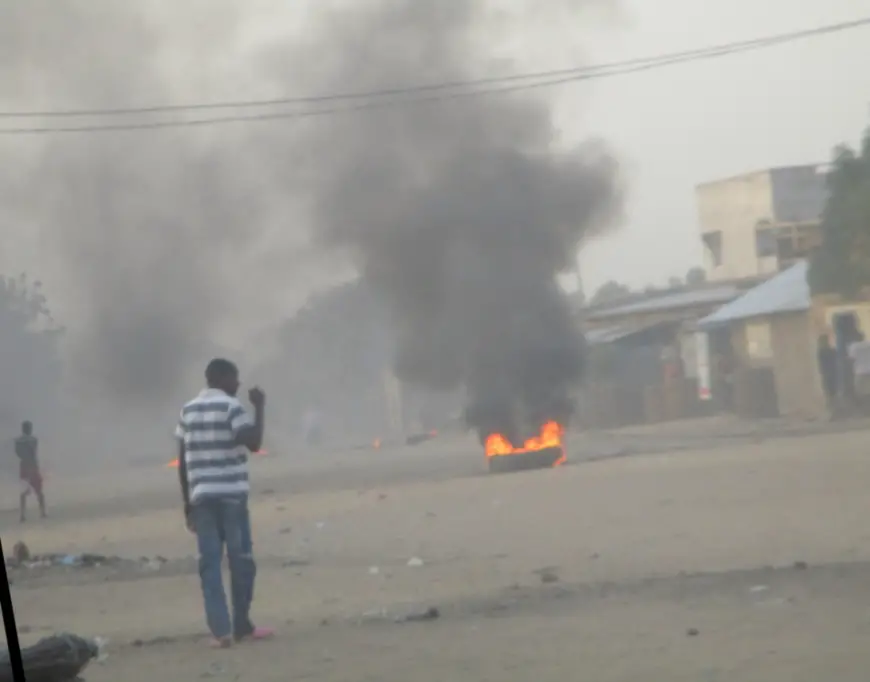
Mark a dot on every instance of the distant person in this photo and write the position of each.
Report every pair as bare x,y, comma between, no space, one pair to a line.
859,354
827,361
26,448
215,434
725,375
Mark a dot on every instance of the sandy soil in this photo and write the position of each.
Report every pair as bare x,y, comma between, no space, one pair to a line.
748,561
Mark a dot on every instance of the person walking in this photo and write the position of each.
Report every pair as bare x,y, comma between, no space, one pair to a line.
26,449
215,434
826,357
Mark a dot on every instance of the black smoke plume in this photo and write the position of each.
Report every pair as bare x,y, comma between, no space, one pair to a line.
460,213
150,237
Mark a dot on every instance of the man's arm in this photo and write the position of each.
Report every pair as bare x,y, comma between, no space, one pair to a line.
182,476
182,466
248,432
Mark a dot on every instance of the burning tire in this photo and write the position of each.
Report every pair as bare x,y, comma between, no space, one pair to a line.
545,458
540,452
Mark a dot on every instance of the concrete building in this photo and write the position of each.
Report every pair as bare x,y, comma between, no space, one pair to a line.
760,223
771,332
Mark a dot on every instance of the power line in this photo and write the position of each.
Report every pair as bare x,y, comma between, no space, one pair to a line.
448,85
404,96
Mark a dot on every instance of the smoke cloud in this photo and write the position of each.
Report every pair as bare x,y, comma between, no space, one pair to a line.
461,213
458,214
152,239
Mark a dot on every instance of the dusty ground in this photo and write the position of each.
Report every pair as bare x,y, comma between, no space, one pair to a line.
743,559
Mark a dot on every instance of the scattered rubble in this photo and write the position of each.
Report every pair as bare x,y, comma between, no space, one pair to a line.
429,613
382,615
20,552
548,575
22,558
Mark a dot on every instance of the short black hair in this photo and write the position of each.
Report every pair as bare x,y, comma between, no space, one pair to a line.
218,369
26,427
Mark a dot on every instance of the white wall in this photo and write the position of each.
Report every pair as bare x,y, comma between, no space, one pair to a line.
734,207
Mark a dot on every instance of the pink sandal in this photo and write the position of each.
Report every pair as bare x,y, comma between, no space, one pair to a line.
258,635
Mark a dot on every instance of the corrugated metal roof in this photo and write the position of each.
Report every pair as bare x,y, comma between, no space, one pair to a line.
787,292
672,301
605,335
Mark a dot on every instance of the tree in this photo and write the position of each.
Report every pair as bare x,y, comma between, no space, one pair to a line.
695,277
609,292
29,356
841,265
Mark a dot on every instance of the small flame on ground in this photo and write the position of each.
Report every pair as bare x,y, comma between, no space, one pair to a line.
376,444
497,445
173,464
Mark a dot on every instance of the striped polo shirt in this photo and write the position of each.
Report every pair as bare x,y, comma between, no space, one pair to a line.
208,427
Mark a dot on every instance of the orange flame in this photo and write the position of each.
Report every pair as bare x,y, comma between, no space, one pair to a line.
497,445
376,444
173,464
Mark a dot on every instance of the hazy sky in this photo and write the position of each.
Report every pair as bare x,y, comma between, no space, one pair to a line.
672,128
692,123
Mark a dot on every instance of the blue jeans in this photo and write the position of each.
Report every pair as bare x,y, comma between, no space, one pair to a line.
220,522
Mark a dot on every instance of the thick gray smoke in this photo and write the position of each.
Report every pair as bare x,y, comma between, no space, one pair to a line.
461,213
152,235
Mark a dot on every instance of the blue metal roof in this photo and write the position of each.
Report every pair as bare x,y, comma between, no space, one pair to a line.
787,292
670,301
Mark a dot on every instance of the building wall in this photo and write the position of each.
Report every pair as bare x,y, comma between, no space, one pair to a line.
785,343
733,208
798,382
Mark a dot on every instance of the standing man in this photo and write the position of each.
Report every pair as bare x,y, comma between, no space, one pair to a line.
859,354
26,447
827,361
215,434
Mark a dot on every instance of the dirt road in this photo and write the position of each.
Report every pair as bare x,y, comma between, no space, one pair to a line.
744,562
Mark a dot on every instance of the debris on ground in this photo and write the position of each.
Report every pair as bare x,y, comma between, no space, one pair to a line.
84,560
692,632
548,575
801,565
20,552
382,615
429,613
59,658
295,563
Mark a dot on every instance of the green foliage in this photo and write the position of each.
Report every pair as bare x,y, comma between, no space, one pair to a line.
696,277
609,292
842,264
